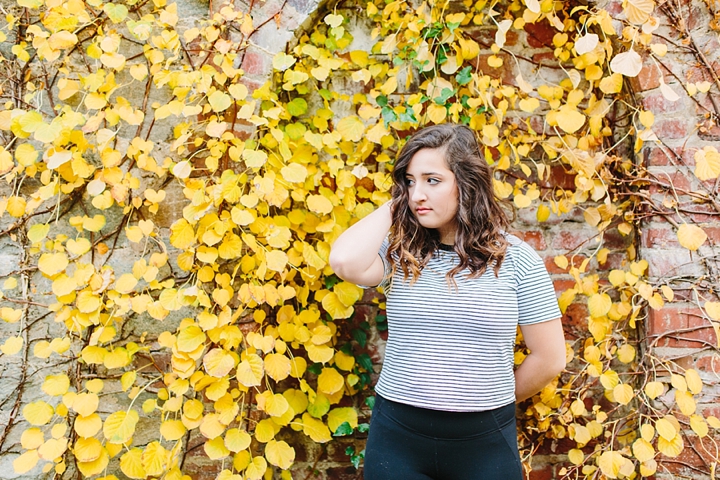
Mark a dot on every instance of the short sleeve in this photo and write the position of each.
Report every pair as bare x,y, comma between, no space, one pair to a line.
535,291
387,271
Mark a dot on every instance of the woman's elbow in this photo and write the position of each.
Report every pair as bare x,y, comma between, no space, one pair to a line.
338,263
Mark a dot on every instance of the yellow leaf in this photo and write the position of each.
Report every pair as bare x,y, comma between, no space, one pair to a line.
315,429
569,119
218,362
654,389
670,448
699,426
643,450
713,310
256,469
56,384
219,101
294,172
627,63
78,247
87,449
88,302
38,413
707,163
330,381
543,213
686,402
265,430
120,426
338,416
87,426
610,463
638,11
86,404
215,449
623,393
626,353
713,421
576,456
32,438
332,304
691,236
319,204
436,113
694,382
282,61
154,459
26,462
276,405
612,84
351,128
599,304
277,366
237,440
666,429
250,370
172,430
348,293
279,454
53,448
12,345
529,105
38,232
190,338
131,462
52,263
276,260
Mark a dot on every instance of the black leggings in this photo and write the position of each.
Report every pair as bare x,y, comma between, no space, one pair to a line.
410,443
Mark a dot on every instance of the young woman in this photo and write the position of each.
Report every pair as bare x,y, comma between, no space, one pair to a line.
457,287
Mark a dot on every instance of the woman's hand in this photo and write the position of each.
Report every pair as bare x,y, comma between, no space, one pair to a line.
546,342
354,255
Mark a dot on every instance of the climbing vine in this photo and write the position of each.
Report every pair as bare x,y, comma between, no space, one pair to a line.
176,220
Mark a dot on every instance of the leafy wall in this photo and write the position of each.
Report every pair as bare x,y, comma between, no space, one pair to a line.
174,176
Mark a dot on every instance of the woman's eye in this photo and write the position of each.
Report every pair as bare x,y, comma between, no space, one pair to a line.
409,181
433,181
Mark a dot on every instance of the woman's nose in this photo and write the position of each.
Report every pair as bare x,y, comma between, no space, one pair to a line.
417,194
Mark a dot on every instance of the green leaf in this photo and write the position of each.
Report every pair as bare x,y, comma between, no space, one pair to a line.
297,107
360,336
370,402
343,430
365,361
464,76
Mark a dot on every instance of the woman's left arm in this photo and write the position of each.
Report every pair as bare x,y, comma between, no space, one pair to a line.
546,342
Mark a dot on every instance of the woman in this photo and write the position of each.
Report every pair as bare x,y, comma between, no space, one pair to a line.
457,286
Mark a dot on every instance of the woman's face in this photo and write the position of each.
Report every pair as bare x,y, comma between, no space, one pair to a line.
433,192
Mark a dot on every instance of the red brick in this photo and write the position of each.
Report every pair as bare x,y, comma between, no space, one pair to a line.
659,238
575,315
535,239
545,58
562,285
486,36
255,63
542,473
540,34
709,131
709,363
679,327
560,177
613,261
344,473
671,129
657,103
570,240
505,71
614,8
648,78
665,181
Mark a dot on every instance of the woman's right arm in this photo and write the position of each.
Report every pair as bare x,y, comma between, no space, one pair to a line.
354,255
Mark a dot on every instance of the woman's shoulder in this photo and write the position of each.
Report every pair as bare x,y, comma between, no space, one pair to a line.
517,247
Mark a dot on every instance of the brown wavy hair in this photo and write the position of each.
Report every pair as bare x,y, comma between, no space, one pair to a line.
480,219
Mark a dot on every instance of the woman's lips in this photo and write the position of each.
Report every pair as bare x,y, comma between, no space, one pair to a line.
422,210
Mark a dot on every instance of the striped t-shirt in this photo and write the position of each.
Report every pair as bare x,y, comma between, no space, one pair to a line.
452,349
